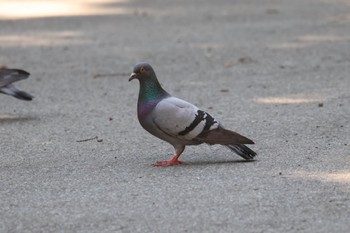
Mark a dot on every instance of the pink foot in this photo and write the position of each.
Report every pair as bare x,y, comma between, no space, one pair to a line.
171,162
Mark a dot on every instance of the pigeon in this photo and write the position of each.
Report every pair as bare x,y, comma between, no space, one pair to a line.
178,122
7,77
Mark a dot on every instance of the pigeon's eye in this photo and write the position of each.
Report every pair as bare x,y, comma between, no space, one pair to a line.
142,70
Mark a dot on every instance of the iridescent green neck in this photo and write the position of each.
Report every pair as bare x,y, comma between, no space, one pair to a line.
151,90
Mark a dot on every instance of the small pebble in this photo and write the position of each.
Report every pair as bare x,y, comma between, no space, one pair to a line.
245,60
272,11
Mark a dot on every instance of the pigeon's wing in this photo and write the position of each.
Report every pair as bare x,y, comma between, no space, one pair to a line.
181,119
222,136
8,76
185,121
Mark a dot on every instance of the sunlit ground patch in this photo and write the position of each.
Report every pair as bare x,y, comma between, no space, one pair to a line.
42,8
7,117
44,39
342,177
287,100
308,40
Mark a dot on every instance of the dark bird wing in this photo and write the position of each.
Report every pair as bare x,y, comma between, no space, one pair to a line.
13,91
8,76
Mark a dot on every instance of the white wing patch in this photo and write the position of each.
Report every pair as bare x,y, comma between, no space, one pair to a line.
181,119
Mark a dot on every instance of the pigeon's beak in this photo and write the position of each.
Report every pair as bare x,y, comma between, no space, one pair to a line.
132,76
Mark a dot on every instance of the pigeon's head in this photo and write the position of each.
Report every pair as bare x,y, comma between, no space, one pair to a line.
142,72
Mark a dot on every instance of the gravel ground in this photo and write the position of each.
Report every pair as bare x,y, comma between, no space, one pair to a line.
275,71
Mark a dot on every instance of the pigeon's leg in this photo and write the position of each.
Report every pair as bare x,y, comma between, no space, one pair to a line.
174,161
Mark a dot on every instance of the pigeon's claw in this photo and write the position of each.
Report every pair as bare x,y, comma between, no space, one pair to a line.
174,161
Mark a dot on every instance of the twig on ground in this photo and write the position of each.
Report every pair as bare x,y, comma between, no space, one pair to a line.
88,139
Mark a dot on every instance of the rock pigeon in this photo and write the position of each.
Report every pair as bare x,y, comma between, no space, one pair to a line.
178,122
7,77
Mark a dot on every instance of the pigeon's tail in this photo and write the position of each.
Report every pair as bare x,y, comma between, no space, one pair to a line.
243,151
